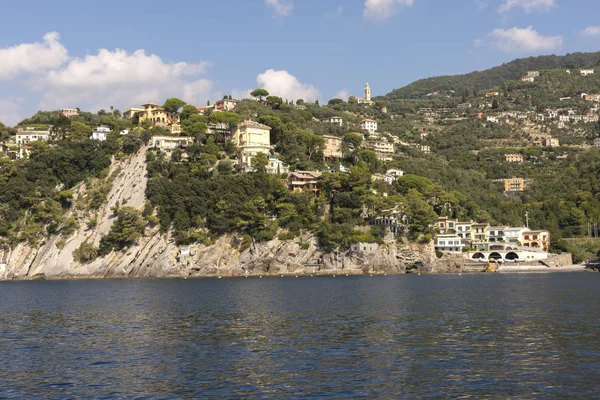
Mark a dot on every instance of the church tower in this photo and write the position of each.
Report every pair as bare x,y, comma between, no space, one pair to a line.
367,92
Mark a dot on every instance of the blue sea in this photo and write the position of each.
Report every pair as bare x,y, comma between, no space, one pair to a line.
440,336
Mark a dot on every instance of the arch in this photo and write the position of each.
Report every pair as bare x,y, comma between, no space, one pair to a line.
478,256
510,248
495,256
512,256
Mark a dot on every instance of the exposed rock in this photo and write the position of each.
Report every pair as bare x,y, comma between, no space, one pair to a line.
156,255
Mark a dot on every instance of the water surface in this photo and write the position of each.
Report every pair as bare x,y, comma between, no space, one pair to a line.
470,336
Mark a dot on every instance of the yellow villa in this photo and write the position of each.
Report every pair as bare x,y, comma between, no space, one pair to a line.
252,138
158,116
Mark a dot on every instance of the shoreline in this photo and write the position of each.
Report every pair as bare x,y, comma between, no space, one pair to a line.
337,273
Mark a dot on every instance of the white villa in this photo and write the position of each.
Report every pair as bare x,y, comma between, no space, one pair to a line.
368,125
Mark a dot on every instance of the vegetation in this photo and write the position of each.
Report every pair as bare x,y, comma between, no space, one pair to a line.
199,192
484,80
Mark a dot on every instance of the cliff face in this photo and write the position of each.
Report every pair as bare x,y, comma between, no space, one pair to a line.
157,255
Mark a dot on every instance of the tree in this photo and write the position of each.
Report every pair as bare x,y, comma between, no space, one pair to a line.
274,101
60,129
126,231
495,104
351,144
317,101
333,102
79,131
260,93
85,253
173,104
352,100
4,133
259,162
187,111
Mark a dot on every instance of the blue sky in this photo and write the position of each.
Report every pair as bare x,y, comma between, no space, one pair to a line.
92,55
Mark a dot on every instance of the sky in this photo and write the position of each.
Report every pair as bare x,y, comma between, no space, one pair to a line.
94,55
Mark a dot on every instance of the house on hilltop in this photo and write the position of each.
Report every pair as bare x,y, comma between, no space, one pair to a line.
251,138
303,181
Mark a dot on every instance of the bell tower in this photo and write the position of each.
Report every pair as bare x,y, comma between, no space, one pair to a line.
367,92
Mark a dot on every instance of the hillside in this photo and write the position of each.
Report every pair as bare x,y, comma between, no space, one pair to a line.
493,77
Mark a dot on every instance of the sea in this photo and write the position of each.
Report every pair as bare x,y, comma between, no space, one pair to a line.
496,336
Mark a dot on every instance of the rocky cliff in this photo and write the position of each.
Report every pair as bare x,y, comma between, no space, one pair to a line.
157,255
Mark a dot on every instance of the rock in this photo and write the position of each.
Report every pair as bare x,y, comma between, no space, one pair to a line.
156,254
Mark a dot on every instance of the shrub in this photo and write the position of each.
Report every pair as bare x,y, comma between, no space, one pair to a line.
86,253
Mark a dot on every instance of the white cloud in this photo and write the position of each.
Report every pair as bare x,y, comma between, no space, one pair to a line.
342,94
383,9
337,13
527,5
283,8
481,4
591,31
286,86
32,57
479,42
241,94
122,79
10,109
524,40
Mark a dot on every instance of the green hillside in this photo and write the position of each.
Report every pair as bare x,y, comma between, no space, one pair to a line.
493,77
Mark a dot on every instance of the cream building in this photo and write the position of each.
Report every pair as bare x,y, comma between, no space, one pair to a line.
252,138
171,142
158,116
367,98
333,147
130,112
335,120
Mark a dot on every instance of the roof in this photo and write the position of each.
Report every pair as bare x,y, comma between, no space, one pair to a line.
368,120
150,104
305,174
254,124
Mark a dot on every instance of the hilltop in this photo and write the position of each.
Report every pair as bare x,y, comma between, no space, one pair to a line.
484,80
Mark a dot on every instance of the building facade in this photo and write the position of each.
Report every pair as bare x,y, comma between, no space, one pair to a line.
368,125
69,112
252,138
516,158
367,98
158,115
303,181
333,147
171,142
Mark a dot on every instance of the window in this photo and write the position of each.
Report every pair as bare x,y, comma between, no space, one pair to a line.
451,225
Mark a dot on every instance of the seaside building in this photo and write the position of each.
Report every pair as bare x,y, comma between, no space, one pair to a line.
251,138
333,147
302,181
517,158
158,116
368,125
69,112
367,99
171,142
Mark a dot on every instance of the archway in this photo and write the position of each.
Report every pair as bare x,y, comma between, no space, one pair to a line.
478,256
512,256
495,256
